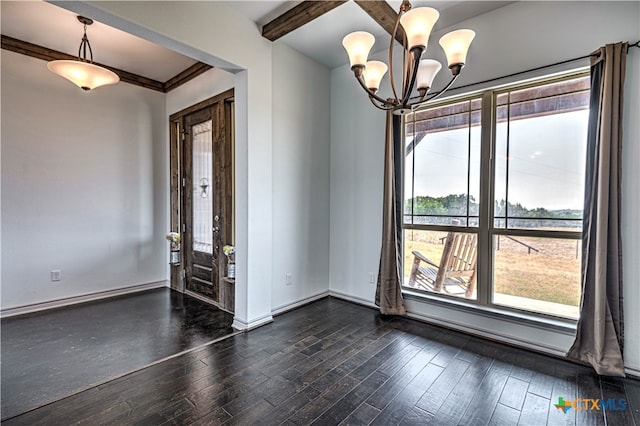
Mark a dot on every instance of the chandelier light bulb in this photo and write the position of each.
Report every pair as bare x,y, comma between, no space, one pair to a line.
427,71
373,74
417,24
358,45
456,45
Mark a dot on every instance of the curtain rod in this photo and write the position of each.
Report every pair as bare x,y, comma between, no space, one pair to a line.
636,44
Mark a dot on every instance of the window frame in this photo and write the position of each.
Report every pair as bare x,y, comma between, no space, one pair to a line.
486,229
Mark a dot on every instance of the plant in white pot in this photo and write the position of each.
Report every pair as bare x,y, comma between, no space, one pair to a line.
174,238
230,252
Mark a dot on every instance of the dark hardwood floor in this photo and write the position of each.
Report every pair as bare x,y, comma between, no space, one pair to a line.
333,362
51,354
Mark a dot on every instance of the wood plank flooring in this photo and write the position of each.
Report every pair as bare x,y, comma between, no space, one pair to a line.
336,363
51,354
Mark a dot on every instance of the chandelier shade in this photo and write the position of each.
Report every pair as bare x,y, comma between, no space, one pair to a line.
85,75
427,71
83,72
417,24
373,73
417,73
456,45
358,44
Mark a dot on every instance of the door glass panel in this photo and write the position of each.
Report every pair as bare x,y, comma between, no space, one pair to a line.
202,185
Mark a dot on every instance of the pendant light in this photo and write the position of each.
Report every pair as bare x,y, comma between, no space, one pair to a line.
83,72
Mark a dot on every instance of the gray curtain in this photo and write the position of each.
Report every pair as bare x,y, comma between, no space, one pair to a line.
600,331
388,292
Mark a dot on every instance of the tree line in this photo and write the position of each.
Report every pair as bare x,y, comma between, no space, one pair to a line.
457,204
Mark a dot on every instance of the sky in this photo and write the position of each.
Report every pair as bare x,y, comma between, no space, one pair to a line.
546,167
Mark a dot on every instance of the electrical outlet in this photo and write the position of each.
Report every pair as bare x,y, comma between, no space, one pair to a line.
372,278
288,278
56,275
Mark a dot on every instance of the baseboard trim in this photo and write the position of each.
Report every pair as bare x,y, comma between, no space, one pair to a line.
74,300
632,372
354,299
463,328
477,331
242,325
291,306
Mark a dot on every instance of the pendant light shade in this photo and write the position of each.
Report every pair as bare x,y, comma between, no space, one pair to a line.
85,75
83,72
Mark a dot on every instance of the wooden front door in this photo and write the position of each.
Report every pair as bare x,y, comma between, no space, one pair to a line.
207,197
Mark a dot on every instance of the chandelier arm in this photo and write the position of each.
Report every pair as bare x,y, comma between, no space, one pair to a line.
435,95
371,95
406,65
384,107
393,38
422,100
414,73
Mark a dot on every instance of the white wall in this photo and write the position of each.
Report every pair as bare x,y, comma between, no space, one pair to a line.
213,33
514,38
631,206
282,145
300,111
302,188
83,185
300,168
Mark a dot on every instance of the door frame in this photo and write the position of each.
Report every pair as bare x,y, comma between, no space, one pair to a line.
224,117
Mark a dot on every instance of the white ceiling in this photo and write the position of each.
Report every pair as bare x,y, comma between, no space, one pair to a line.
50,26
321,39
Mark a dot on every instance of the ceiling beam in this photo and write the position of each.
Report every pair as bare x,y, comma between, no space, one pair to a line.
46,54
190,73
383,14
296,17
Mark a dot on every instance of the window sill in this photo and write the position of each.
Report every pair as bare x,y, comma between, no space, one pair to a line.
565,326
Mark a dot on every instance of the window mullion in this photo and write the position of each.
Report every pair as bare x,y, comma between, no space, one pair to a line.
484,261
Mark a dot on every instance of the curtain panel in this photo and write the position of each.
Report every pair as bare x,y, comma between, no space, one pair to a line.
388,289
600,330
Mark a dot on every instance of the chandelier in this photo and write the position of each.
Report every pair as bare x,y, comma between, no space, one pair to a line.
417,73
83,72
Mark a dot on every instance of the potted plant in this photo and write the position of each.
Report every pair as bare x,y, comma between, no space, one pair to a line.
174,240
230,252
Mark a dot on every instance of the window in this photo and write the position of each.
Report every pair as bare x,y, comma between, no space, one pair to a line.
493,190
442,160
